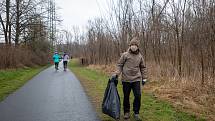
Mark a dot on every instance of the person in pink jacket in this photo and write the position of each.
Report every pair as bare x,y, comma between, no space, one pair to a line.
65,60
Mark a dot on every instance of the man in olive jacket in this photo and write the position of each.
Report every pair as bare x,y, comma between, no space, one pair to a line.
132,67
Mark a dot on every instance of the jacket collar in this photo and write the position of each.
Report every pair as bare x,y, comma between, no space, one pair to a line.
136,52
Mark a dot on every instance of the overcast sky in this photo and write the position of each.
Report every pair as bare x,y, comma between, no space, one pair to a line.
78,12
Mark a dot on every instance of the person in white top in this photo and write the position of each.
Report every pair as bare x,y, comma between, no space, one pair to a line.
65,60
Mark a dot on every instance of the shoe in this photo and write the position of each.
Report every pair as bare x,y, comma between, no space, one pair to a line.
126,115
137,117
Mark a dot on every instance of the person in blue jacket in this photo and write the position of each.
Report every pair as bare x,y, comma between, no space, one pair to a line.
56,59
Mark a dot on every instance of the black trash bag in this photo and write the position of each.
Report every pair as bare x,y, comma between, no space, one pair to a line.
111,100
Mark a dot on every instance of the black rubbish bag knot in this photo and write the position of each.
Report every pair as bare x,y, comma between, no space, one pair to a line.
114,80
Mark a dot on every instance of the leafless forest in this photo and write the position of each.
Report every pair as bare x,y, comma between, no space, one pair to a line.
178,37
27,30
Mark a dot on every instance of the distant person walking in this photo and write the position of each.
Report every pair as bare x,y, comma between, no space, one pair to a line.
132,67
65,60
56,59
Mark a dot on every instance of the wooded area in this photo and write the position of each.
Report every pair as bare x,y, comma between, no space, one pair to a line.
177,40
177,37
27,32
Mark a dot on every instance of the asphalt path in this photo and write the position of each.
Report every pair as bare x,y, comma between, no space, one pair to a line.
49,96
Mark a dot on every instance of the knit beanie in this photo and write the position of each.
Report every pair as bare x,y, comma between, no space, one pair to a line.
134,41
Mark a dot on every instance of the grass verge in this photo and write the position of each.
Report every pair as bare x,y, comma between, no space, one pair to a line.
11,80
152,109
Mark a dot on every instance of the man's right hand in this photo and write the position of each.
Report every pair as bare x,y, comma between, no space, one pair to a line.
114,76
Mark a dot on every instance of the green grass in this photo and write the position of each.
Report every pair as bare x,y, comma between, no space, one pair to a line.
152,109
11,80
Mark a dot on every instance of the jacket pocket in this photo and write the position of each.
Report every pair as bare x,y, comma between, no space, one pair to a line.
132,72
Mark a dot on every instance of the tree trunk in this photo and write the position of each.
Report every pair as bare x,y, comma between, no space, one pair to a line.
17,22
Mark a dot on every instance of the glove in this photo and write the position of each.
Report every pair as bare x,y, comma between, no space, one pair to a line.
114,76
144,81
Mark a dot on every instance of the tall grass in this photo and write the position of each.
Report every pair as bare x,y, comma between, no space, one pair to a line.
15,57
185,93
152,109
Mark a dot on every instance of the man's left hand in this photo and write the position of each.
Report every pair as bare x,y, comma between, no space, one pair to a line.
144,81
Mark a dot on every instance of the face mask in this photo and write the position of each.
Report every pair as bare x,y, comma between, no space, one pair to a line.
134,48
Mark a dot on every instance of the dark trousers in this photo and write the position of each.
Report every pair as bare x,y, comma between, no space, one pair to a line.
135,87
65,64
56,65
